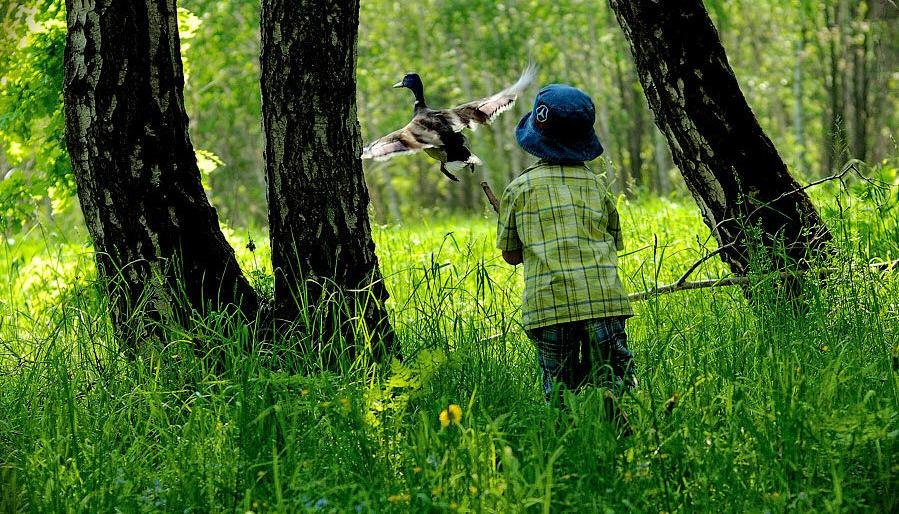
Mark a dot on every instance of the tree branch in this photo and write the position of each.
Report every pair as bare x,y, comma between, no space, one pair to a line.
680,285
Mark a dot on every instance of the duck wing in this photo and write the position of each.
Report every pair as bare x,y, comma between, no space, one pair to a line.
409,139
485,110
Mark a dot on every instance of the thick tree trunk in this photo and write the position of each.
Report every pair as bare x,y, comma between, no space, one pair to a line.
326,271
730,166
158,243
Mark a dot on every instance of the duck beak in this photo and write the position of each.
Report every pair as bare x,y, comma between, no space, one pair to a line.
398,84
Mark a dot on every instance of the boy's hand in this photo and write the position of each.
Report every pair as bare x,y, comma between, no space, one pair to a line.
514,257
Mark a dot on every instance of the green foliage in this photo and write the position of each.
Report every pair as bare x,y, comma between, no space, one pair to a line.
224,103
465,49
32,128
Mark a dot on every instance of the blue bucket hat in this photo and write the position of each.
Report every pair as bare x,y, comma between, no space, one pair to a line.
560,127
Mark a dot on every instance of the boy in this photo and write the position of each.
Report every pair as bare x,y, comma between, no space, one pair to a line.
558,218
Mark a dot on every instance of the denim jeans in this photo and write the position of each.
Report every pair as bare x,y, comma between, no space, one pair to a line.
581,353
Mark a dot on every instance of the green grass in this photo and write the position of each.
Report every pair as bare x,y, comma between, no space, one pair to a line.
742,406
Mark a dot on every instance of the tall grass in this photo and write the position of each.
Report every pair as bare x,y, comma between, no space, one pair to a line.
742,406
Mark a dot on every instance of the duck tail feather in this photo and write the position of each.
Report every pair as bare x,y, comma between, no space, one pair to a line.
528,76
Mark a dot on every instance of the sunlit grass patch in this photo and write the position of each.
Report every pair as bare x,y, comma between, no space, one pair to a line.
742,405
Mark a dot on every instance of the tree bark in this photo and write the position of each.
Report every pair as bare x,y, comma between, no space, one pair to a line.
158,245
326,270
732,169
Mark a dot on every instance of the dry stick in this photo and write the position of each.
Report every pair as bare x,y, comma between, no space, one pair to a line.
737,281
691,269
490,196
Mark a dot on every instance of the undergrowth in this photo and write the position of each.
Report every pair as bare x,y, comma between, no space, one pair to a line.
742,406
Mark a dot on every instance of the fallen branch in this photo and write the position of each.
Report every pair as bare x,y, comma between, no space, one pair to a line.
680,285
691,269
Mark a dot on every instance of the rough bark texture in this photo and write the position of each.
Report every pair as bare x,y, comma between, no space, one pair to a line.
326,270
157,239
730,166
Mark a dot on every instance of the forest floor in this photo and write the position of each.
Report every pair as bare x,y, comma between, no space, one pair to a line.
742,406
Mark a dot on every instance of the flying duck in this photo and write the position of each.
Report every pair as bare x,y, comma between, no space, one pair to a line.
439,131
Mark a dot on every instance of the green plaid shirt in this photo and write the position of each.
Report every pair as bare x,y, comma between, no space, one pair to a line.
563,220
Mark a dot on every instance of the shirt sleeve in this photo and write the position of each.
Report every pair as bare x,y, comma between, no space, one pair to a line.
614,225
506,230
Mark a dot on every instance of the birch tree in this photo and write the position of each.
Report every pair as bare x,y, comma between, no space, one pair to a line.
326,270
159,249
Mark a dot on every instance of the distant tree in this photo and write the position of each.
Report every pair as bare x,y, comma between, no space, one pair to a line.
322,250
730,166
155,234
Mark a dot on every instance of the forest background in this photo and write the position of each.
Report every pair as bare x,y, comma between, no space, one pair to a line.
820,76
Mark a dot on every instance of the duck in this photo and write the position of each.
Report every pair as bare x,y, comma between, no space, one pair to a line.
438,132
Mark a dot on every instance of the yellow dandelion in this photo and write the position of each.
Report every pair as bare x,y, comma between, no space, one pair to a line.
450,415
345,404
473,490
455,413
416,469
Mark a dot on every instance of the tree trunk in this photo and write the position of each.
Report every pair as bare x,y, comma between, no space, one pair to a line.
326,271
637,129
158,245
861,85
798,99
663,164
835,146
730,166
620,133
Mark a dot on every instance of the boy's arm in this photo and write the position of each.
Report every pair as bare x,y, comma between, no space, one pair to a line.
507,238
614,225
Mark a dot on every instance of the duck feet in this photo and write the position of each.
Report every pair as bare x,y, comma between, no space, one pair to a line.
448,174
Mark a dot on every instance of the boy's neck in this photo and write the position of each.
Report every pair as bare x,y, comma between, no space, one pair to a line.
561,163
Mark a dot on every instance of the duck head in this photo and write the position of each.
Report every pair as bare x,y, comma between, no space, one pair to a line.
413,82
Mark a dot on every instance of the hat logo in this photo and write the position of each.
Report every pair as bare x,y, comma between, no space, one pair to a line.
542,113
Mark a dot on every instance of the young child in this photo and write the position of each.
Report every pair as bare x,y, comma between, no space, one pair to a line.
559,219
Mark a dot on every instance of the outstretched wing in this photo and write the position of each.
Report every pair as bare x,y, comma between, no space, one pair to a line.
484,111
409,139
